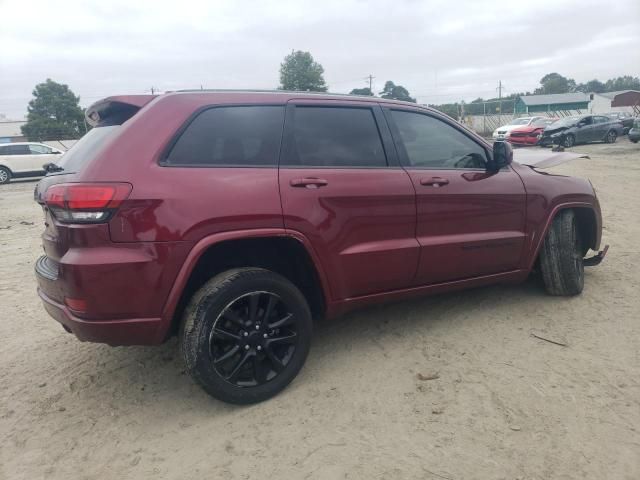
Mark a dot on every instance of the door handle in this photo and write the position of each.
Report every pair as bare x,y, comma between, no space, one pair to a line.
434,182
308,182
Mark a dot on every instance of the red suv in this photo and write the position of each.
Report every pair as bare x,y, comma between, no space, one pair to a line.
234,218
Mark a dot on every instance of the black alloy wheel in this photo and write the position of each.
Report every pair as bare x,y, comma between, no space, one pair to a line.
253,339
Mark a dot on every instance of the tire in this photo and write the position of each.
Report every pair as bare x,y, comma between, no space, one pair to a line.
561,256
634,141
255,358
611,137
5,175
568,141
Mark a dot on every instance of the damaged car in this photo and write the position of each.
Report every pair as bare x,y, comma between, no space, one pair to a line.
234,220
570,131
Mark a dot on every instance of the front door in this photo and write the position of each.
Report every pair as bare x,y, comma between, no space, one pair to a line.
342,188
470,222
586,131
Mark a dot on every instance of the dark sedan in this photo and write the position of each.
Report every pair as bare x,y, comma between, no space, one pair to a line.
581,129
623,117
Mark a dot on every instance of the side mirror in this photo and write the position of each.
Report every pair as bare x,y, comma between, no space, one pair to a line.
502,156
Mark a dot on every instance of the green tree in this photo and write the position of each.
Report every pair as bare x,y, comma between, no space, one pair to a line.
362,91
626,82
555,83
300,72
594,85
54,113
396,92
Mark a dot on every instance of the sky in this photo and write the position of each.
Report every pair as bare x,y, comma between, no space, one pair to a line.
441,51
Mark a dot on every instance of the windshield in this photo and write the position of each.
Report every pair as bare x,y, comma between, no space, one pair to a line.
543,122
73,160
521,121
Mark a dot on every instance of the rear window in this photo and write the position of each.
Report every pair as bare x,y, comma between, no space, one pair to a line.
335,137
73,160
230,136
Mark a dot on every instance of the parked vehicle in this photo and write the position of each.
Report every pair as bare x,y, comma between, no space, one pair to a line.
570,131
25,159
500,133
623,117
530,134
634,133
234,218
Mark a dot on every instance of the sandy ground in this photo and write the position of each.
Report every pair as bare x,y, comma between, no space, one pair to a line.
505,405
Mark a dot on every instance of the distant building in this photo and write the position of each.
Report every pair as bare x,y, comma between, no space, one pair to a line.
10,130
577,103
624,101
560,104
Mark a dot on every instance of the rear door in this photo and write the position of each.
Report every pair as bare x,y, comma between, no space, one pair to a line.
470,222
19,158
342,187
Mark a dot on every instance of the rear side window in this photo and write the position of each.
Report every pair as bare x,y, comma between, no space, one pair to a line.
431,143
230,136
85,149
335,137
18,150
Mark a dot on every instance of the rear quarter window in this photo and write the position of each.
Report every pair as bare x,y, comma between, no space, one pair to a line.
86,148
230,136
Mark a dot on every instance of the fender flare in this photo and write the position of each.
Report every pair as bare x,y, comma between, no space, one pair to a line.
205,243
547,225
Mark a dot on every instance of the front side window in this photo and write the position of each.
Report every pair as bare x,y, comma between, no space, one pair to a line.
431,143
39,149
230,136
335,137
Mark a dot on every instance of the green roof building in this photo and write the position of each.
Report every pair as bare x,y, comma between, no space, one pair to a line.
562,102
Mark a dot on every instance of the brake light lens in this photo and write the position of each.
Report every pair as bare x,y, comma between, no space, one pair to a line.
85,202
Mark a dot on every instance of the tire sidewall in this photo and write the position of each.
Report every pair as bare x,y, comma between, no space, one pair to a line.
206,310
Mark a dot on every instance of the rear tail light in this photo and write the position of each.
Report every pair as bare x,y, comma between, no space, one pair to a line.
85,202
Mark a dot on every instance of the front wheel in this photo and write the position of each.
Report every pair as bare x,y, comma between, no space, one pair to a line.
611,137
245,335
5,175
569,141
561,256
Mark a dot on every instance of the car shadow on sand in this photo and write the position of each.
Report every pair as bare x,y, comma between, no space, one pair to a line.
145,375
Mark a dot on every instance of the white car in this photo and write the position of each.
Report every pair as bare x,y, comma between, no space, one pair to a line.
500,133
25,159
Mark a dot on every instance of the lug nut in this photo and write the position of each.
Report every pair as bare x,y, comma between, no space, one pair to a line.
265,335
246,334
257,326
259,348
246,347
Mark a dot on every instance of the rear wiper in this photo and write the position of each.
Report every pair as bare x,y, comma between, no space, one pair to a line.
52,167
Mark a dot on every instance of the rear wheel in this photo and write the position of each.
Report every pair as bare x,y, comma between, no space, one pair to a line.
569,141
5,175
561,256
611,137
245,335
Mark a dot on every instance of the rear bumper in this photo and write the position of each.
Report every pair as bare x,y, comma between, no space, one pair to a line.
134,331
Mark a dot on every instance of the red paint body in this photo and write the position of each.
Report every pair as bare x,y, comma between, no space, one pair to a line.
372,234
525,136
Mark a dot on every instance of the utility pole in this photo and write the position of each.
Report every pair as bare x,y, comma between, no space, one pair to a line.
500,97
153,89
370,78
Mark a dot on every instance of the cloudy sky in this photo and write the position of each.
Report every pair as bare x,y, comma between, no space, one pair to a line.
441,50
